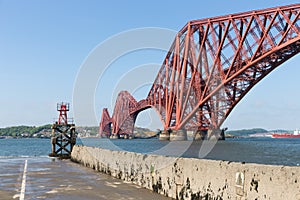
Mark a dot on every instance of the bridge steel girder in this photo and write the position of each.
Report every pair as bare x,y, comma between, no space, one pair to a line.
214,62
123,118
210,67
105,124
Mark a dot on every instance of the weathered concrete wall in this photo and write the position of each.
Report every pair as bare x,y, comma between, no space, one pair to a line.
187,178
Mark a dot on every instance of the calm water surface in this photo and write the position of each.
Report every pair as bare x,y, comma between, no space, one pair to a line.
249,150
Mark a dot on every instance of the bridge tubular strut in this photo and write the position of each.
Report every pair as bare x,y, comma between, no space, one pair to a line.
211,65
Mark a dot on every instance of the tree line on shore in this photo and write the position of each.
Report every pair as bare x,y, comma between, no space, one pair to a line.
25,131
246,132
43,131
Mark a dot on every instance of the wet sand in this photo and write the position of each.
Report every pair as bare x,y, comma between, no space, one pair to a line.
48,178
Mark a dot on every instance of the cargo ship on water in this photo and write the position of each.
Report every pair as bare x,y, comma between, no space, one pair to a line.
296,134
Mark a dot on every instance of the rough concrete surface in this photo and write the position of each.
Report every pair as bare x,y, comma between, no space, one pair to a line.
53,179
189,178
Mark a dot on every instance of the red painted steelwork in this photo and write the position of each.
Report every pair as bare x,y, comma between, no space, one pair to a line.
125,114
211,66
63,108
105,124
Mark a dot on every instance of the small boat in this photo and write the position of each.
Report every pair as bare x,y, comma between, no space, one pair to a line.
296,134
2,137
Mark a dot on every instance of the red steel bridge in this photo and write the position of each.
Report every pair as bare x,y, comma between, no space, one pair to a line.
211,65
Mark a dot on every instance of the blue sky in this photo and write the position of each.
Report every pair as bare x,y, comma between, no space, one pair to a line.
44,43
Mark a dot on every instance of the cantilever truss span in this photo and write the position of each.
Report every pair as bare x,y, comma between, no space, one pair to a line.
211,66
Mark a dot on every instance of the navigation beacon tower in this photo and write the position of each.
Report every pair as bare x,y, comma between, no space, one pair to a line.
63,133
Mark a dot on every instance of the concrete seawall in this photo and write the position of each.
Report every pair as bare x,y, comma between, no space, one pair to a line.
188,178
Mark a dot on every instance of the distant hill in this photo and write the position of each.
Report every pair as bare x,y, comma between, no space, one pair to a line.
45,131
26,131
280,131
143,132
87,131
245,132
42,131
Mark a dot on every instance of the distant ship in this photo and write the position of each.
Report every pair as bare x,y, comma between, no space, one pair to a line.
296,134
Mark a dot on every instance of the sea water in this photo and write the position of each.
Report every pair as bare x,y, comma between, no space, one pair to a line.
249,150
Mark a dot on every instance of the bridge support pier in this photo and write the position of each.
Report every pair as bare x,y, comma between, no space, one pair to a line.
122,136
128,136
114,136
215,134
211,134
199,135
164,135
178,135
